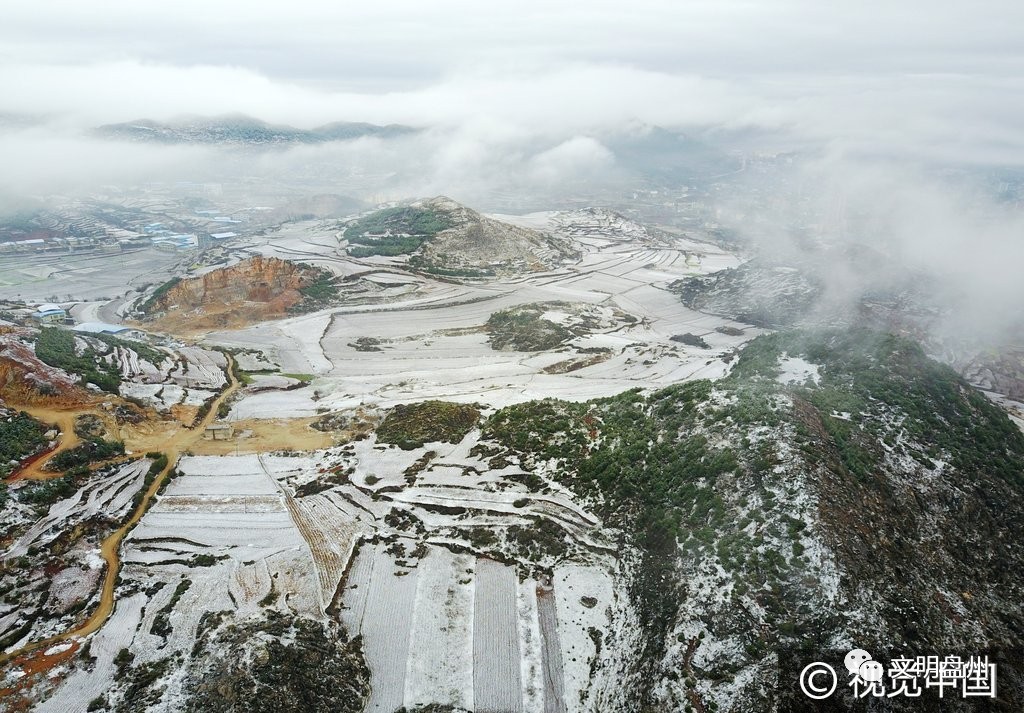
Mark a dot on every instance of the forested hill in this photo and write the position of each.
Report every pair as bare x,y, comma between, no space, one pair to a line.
837,489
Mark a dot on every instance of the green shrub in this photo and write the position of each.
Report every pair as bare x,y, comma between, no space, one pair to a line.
56,347
20,436
394,231
523,329
409,426
94,450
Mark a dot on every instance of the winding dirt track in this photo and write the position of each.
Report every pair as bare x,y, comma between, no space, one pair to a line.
110,549
64,421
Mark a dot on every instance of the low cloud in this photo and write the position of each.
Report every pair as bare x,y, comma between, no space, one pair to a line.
944,239
529,98
951,118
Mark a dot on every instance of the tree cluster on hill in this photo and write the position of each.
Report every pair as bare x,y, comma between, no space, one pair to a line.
394,231
158,293
409,426
20,436
56,347
524,329
277,665
93,450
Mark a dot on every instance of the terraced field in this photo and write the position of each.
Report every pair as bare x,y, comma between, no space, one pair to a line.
472,581
433,345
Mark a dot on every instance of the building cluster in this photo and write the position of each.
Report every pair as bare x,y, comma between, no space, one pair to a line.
55,315
83,226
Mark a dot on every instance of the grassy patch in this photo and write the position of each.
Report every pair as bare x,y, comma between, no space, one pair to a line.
523,329
394,231
56,347
305,378
409,426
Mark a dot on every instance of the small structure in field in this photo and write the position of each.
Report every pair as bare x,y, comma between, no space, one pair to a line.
219,432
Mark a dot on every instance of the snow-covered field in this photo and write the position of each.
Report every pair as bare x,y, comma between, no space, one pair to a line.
188,376
420,552
388,600
441,621
83,685
583,597
442,640
108,495
795,370
432,344
497,680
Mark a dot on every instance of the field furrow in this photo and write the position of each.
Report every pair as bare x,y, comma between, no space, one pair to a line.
497,681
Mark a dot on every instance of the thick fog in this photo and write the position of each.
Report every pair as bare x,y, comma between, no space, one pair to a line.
896,113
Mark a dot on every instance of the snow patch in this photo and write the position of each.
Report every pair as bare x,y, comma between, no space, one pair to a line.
796,370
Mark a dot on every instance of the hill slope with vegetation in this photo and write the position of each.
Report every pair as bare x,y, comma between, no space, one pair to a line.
837,489
445,238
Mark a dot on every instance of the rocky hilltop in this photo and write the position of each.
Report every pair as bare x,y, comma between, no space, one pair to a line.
476,241
443,237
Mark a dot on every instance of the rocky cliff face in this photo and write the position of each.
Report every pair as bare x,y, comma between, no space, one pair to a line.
1002,372
25,380
250,291
270,281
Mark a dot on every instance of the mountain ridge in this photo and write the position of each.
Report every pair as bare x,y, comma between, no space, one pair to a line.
240,129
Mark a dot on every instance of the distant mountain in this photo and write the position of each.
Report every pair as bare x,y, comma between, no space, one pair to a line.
324,205
16,120
242,131
664,154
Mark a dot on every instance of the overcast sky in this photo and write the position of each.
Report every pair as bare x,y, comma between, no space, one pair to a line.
944,79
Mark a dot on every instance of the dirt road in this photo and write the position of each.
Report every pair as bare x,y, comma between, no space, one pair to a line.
110,549
64,420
